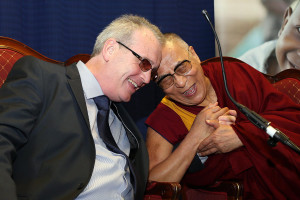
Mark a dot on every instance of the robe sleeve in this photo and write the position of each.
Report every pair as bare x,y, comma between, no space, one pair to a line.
279,166
167,123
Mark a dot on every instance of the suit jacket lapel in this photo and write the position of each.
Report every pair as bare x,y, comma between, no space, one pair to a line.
76,86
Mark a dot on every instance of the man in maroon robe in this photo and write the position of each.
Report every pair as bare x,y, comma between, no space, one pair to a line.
237,151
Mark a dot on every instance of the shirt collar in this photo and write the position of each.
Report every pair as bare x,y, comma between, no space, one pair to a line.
90,85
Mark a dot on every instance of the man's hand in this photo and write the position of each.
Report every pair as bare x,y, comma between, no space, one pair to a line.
227,118
211,113
222,140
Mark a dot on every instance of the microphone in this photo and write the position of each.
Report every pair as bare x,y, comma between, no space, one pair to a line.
275,134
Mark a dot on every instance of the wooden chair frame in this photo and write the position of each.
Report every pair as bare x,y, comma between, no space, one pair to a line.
20,49
288,73
14,45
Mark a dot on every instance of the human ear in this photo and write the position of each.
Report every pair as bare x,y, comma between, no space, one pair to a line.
193,53
191,49
287,14
108,49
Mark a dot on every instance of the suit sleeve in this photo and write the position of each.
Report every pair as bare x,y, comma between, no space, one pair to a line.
20,103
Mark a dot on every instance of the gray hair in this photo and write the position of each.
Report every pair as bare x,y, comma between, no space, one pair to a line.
122,29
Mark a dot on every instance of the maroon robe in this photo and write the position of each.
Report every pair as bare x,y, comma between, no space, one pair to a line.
267,172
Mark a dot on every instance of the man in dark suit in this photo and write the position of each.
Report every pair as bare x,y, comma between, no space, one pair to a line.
50,145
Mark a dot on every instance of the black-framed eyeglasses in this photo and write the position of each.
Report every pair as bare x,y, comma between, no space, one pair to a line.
145,64
181,69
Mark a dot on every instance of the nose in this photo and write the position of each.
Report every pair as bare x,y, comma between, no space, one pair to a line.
179,81
146,76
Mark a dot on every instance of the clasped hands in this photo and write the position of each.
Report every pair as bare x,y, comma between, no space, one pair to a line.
217,135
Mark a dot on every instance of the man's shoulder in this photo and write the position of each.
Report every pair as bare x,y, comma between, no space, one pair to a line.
218,59
28,59
257,56
31,63
214,64
265,47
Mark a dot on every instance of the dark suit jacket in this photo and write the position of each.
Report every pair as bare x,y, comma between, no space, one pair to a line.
46,147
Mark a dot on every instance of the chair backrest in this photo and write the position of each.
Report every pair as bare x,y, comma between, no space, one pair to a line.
11,50
288,82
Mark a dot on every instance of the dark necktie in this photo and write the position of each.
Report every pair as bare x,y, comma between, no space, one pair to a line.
102,103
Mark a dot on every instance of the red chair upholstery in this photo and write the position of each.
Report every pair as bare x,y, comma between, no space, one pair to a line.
11,50
7,59
288,82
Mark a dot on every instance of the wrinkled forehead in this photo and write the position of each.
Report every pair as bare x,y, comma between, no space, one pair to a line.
171,56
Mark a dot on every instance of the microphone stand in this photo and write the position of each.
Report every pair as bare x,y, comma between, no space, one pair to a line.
274,133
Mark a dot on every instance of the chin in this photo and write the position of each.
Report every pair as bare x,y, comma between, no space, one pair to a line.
126,98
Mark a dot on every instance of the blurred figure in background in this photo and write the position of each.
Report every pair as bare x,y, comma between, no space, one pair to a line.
266,30
272,22
277,55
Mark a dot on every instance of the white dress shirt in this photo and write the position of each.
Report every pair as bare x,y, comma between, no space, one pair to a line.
111,175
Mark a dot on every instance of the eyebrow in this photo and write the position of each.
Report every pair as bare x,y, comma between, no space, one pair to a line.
176,66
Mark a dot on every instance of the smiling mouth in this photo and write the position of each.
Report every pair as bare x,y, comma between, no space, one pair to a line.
133,83
191,91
